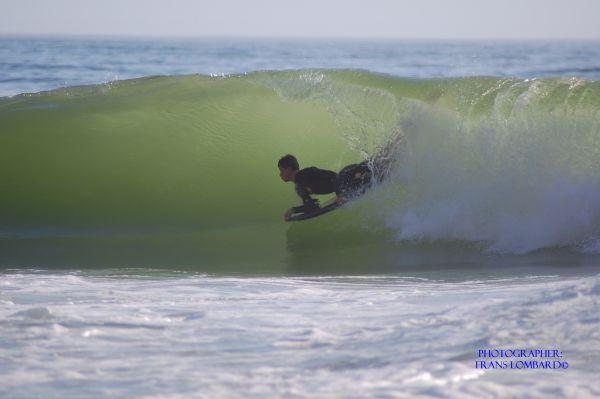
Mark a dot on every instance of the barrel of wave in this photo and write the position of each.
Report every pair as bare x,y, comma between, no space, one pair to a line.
157,153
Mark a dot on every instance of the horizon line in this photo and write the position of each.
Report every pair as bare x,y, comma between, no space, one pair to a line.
291,37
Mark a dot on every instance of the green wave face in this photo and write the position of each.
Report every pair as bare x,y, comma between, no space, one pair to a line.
183,170
159,152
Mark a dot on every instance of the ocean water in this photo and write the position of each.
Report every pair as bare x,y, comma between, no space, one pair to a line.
143,251
32,64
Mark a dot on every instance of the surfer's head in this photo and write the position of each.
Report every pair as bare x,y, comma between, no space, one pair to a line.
288,167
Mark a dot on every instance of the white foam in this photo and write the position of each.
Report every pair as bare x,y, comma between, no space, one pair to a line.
282,337
517,183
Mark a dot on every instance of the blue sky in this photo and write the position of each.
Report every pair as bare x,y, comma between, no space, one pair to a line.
428,19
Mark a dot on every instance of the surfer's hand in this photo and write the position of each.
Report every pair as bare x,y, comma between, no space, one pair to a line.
288,214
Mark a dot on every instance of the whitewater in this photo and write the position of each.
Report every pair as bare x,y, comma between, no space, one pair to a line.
143,251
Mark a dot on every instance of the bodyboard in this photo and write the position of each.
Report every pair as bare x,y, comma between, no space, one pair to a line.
317,212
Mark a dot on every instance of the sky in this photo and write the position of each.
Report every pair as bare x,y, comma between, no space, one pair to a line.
401,19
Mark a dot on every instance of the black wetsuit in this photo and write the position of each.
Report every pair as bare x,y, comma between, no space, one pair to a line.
313,181
352,180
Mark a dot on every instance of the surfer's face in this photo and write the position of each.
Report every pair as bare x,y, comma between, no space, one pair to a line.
286,174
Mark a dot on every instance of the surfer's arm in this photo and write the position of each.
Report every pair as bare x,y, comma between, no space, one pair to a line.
301,209
308,203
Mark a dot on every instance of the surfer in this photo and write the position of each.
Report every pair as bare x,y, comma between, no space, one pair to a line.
352,180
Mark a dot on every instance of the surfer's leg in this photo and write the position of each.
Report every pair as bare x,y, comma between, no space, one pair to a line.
353,179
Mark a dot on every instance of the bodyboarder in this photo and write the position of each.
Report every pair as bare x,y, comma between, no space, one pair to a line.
351,181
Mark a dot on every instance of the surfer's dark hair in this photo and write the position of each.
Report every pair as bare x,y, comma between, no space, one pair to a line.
288,161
